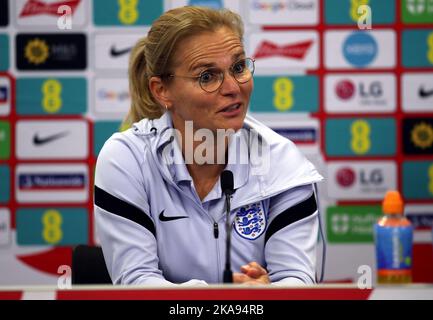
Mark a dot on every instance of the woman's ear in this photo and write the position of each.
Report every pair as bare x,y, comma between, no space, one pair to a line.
160,91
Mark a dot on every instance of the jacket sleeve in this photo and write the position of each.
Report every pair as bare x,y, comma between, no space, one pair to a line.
124,226
291,237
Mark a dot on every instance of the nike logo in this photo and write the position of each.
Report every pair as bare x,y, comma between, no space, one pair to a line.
165,218
37,140
116,53
425,93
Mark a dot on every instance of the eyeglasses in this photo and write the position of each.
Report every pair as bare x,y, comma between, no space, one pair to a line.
211,79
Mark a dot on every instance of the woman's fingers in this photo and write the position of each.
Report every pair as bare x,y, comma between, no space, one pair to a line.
240,277
254,270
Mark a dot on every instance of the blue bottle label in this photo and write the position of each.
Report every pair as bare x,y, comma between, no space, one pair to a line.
393,247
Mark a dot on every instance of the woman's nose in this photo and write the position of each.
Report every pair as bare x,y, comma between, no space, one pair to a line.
229,85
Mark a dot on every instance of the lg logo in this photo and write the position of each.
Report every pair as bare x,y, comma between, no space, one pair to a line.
346,89
346,177
374,89
373,177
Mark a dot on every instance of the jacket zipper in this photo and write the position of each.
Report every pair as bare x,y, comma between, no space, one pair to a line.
215,230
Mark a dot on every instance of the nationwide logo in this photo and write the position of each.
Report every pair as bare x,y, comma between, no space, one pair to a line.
114,52
345,89
298,136
296,51
36,51
423,93
3,94
51,51
421,221
360,49
345,177
37,7
51,181
418,135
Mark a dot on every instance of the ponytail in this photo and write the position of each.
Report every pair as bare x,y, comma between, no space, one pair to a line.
143,105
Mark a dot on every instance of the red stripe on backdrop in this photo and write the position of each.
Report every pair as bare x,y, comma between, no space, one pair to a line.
11,295
422,268
218,294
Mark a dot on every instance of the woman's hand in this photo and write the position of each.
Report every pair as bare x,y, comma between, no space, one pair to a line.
252,274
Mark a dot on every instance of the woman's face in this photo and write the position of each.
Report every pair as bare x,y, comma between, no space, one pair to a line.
224,108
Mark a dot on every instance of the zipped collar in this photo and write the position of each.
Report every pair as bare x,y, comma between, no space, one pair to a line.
293,168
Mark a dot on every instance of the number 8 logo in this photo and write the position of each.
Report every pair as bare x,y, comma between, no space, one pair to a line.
360,143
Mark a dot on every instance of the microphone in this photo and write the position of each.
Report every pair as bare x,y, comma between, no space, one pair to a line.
228,189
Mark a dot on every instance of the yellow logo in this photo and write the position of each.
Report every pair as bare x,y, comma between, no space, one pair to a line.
422,135
37,51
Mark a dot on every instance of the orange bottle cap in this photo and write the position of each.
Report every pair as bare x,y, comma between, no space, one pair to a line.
392,203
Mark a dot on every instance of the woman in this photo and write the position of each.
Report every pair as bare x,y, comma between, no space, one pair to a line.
159,208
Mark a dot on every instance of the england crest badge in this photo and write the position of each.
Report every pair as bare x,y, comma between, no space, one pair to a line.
250,221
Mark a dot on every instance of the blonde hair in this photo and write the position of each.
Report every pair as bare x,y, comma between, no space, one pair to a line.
153,55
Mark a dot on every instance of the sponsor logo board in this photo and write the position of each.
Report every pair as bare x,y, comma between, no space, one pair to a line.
360,49
52,226
361,180
49,183
45,51
372,93
351,224
55,139
290,12
112,50
284,49
46,13
417,92
111,96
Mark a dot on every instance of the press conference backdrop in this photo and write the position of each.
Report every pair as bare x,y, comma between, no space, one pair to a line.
359,103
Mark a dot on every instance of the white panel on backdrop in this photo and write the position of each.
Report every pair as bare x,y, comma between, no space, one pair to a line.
344,260
284,13
111,96
356,93
5,227
417,92
112,50
55,139
283,50
360,49
5,96
361,180
43,13
49,183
